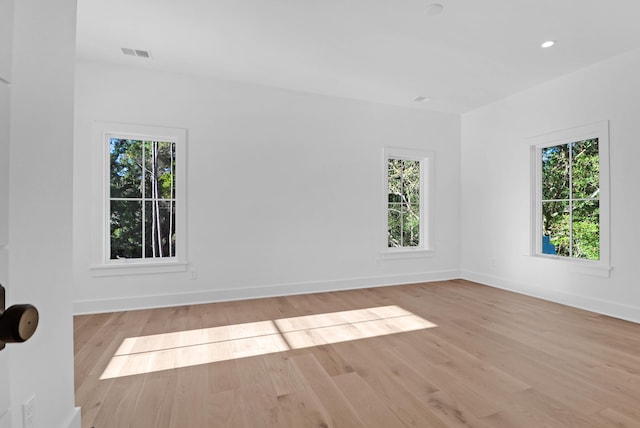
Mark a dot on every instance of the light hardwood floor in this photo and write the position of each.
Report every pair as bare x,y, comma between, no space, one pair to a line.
493,359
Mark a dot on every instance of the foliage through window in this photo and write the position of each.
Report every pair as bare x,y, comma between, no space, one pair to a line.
142,198
404,197
570,201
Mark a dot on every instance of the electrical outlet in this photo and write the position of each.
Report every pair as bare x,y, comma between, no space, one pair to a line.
193,274
29,413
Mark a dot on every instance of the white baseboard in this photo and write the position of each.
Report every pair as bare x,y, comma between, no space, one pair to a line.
74,419
72,422
605,307
5,418
81,307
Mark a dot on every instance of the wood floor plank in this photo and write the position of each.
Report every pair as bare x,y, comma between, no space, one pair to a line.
284,376
358,358
154,405
533,408
453,410
457,390
385,361
119,407
389,386
335,406
223,376
188,404
612,418
300,410
568,388
92,396
258,406
372,410
223,410
258,398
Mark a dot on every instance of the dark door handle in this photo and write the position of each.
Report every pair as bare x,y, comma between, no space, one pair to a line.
17,323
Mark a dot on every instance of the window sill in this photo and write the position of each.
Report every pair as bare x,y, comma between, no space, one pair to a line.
402,254
584,267
137,268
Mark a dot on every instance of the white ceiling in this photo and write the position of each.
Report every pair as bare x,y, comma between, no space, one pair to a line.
389,51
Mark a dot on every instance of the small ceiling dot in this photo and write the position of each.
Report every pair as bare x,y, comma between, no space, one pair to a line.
421,99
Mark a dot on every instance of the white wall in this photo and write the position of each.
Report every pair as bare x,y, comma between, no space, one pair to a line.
496,187
40,207
283,187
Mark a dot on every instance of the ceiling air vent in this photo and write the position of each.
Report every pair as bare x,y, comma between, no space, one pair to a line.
143,54
136,52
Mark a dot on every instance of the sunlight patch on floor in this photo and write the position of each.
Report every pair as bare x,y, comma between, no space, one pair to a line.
147,354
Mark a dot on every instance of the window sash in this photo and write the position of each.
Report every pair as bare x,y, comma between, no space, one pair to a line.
402,204
599,131
147,237
570,200
101,262
425,160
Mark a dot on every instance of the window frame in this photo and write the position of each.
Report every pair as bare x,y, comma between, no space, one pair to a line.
102,264
599,130
426,159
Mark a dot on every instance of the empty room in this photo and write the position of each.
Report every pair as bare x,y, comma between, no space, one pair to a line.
345,213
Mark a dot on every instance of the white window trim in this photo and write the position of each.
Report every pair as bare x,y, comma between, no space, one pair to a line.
425,249
599,130
102,265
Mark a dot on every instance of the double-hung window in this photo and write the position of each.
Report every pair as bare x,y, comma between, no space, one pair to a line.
571,194
407,207
143,221
142,198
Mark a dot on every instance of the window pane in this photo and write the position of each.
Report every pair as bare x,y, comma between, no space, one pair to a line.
160,233
411,225
394,176
586,230
395,198
168,170
126,229
411,182
126,168
555,172
585,169
159,169
404,203
395,226
555,224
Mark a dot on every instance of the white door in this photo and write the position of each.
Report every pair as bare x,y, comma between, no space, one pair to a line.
5,421
6,31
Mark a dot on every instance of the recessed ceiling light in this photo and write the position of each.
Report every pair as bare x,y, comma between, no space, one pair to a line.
421,99
433,9
548,44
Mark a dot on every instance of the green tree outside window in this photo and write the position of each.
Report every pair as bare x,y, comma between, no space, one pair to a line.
403,203
142,203
570,199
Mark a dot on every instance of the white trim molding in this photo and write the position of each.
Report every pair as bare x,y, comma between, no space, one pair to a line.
597,130
427,161
101,265
75,418
599,306
81,307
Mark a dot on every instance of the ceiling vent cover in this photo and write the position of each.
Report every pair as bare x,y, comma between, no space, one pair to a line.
143,54
136,52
